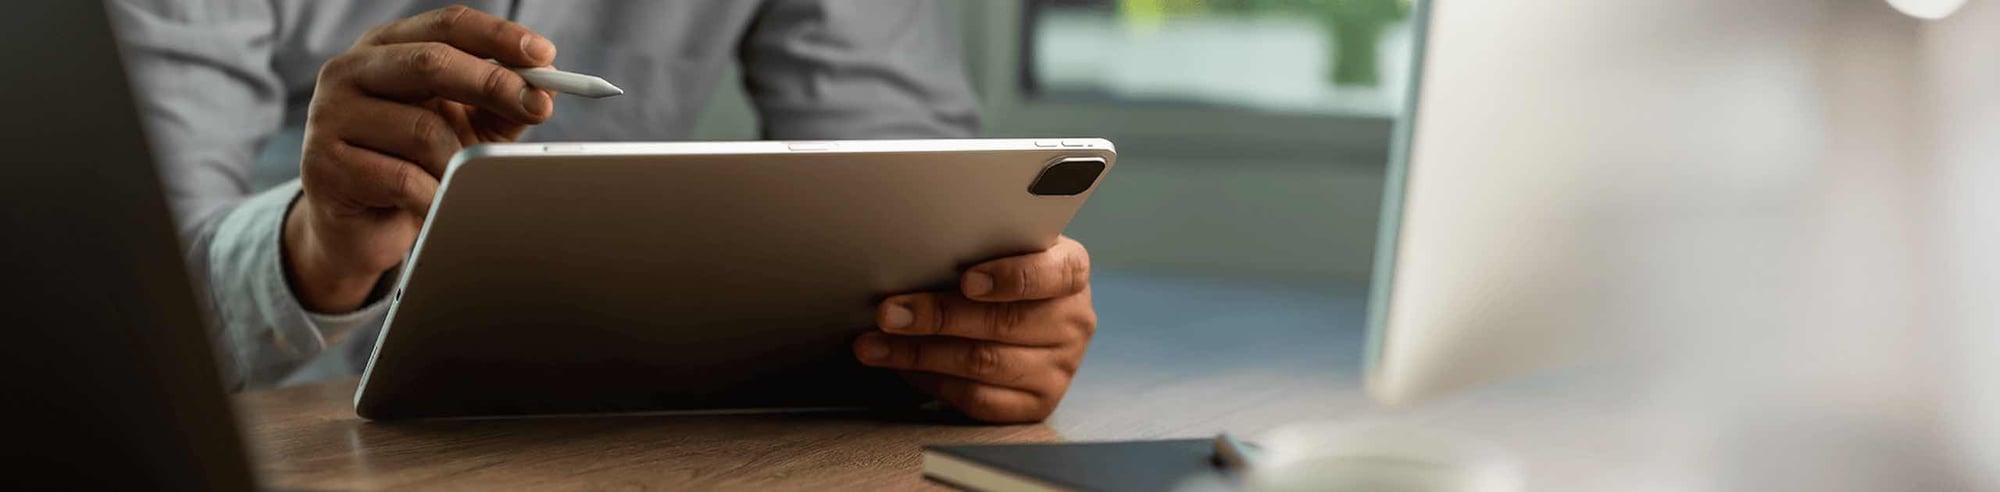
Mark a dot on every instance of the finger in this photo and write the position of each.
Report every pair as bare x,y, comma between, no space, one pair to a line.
470,30
458,115
411,133
372,179
1062,270
984,402
1032,369
1033,323
487,126
417,72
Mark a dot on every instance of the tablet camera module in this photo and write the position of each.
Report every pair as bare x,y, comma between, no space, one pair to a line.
1068,177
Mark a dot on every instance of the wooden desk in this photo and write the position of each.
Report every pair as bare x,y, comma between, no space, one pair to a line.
309,438
1174,358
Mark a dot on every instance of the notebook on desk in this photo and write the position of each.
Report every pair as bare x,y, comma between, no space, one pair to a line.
1183,464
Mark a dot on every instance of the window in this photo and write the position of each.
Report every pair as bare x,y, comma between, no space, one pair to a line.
1274,178
1336,57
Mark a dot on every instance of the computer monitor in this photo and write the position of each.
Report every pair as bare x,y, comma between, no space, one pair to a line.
1571,172
110,382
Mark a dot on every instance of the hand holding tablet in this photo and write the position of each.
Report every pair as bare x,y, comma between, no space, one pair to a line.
1004,345
840,274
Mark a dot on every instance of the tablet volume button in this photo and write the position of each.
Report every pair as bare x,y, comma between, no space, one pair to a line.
562,149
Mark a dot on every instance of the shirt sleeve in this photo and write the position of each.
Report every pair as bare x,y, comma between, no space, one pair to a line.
841,69
209,96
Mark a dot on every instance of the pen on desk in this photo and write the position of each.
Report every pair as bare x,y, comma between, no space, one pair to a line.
1232,454
571,83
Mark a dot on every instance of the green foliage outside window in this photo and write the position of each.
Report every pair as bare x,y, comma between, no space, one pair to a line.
1354,26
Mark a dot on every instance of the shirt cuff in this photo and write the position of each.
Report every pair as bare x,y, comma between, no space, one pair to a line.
332,328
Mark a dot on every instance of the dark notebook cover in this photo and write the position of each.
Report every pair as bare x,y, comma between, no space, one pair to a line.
1092,466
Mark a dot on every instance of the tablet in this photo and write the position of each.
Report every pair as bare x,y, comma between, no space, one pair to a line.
570,278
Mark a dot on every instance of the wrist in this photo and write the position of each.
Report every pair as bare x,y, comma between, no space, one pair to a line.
318,280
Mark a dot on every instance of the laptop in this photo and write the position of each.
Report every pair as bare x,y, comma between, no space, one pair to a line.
110,381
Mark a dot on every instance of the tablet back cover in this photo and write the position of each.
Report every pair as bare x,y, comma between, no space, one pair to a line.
620,282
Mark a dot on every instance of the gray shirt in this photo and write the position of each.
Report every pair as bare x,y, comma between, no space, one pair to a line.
219,79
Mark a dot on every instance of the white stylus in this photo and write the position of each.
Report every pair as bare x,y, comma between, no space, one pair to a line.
568,82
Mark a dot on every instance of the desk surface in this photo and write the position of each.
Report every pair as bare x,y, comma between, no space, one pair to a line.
1173,358
309,438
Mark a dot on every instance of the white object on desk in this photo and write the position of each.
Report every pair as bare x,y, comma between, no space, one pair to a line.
1380,457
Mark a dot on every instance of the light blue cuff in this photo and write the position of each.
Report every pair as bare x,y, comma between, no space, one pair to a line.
334,328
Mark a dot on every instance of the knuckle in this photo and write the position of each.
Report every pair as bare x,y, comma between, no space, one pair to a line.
446,19
983,405
316,160
423,127
335,68
319,112
333,153
1024,280
331,166
983,360
429,59
1086,323
1076,272
1068,367
940,315
1008,319
429,130
916,356
496,83
401,183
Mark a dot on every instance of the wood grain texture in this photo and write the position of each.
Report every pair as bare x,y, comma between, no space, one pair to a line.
308,438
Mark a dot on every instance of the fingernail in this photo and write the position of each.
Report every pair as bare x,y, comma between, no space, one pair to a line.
898,317
977,283
535,102
872,348
538,48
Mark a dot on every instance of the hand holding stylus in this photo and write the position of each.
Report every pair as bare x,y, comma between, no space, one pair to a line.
571,83
386,118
